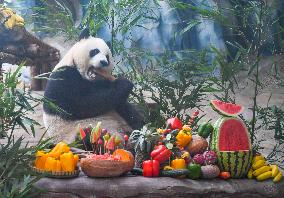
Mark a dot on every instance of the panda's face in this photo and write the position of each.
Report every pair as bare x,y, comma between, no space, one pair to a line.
92,56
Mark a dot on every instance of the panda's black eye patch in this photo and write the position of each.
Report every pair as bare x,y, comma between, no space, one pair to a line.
94,52
107,56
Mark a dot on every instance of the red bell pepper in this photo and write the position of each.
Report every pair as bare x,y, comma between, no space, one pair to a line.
151,168
174,123
161,153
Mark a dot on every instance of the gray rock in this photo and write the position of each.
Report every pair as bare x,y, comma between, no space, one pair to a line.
138,186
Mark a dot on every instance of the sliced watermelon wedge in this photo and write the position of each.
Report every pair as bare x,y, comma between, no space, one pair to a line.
225,108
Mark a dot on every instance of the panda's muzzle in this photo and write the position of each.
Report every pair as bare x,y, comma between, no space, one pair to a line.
92,72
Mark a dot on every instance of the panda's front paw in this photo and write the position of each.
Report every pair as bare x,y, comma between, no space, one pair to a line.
124,85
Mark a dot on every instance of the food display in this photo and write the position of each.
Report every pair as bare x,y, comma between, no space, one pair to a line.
107,165
60,161
178,150
106,158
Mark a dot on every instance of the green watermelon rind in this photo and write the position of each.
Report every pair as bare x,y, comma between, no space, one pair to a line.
223,113
240,160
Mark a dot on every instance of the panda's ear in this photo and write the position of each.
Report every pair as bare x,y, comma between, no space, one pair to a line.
85,34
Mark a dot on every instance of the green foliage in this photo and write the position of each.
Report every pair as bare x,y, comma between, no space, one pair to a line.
54,17
120,17
176,85
16,157
252,37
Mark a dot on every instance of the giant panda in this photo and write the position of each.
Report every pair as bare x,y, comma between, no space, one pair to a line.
79,87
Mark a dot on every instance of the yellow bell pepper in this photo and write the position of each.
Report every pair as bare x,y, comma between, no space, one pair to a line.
178,164
76,159
40,159
60,148
183,138
67,161
186,128
50,164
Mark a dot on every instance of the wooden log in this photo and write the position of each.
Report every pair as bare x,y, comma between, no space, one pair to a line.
18,45
12,59
35,83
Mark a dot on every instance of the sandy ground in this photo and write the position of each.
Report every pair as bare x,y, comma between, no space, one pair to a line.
243,97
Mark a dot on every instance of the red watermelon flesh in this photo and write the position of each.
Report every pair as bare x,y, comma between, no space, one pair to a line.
233,136
226,108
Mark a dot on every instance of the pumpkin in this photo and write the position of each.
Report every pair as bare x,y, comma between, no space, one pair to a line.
198,145
114,165
125,156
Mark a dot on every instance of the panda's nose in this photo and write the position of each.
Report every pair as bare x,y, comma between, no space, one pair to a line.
104,63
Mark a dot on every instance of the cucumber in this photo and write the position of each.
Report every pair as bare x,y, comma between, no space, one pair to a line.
137,171
174,173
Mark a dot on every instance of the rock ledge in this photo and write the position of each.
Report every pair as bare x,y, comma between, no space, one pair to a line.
137,186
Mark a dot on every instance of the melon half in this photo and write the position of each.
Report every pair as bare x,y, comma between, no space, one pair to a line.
225,108
231,141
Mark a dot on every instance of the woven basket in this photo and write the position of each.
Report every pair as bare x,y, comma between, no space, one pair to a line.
56,174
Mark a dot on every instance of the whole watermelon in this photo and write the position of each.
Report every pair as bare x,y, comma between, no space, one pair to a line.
231,141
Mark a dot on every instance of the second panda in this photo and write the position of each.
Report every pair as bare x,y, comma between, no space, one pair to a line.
76,87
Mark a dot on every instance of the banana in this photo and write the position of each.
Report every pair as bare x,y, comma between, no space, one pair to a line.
264,176
261,170
257,158
275,170
250,174
278,177
258,164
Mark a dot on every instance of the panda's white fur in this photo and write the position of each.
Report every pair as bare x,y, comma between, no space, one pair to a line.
79,55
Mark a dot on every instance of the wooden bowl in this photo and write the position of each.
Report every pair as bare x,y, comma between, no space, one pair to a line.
105,168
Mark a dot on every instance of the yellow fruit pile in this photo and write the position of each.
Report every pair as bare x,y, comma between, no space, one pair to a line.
261,170
10,18
60,158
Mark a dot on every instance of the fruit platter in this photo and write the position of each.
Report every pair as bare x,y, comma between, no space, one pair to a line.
181,150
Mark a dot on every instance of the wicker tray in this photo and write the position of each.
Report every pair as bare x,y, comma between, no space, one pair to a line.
60,174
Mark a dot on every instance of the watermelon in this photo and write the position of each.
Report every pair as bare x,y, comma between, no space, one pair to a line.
225,108
231,141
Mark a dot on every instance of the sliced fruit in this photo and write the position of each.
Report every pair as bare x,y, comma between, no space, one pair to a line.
226,108
230,134
111,143
231,141
124,155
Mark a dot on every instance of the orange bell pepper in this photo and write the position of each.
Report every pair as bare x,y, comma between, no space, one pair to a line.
60,148
58,166
76,159
50,164
67,161
40,159
178,164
